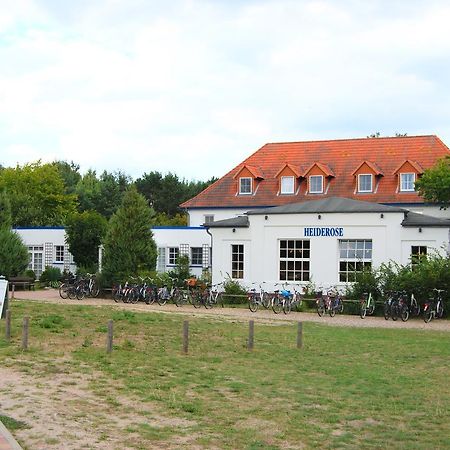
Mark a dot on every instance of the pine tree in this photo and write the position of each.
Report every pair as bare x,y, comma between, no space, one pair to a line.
129,247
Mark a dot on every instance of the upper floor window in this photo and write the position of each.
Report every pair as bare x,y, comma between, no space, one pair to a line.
316,184
245,185
287,185
209,218
365,183
407,182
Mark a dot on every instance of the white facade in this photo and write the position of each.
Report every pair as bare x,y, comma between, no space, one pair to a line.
381,238
47,247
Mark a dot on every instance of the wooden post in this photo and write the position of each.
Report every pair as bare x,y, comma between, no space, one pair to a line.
251,334
299,334
8,325
25,328
12,291
185,336
109,340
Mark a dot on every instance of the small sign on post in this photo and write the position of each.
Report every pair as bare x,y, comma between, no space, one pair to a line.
3,296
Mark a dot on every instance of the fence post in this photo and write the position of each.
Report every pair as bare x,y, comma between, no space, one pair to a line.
251,334
109,339
299,334
13,287
25,328
8,325
185,336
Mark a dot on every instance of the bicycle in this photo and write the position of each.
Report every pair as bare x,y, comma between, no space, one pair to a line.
256,299
336,304
434,308
367,305
281,301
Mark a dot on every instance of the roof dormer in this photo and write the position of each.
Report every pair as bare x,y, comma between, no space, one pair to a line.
318,177
248,178
407,173
367,176
288,179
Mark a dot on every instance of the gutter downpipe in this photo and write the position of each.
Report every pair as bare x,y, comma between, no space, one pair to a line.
211,240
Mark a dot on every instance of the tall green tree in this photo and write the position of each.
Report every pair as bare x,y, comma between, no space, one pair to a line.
434,184
37,195
84,234
129,247
70,174
13,253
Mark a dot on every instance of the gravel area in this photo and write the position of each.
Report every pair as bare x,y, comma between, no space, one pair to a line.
52,296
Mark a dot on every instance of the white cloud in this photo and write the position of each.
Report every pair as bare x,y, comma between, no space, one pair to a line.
144,86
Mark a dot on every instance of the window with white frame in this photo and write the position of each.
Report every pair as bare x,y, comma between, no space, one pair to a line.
237,261
355,257
418,254
407,182
287,185
173,255
196,256
209,218
59,253
294,260
365,182
36,259
316,184
245,185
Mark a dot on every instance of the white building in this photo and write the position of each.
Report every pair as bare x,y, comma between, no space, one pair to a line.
326,242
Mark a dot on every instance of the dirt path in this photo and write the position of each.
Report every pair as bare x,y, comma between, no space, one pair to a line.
52,296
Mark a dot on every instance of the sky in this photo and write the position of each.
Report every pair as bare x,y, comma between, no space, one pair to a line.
194,87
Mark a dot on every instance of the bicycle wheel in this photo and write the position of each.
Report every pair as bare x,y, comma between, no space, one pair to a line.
386,311
394,312
371,310
134,296
207,300
404,313
196,299
162,300
63,291
80,292
332,311
340,308
363,310
178,298
287,306
439,310
117,294
320,309
427,315
95,290
252,303
266,300
277,305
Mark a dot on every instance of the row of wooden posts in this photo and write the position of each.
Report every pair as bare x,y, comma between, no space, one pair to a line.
110,336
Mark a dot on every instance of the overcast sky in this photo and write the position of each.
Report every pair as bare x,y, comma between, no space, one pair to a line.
194,87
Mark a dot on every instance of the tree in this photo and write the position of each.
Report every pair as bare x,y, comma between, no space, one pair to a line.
129,247
434,185
37,195
70,174
84,234
13,253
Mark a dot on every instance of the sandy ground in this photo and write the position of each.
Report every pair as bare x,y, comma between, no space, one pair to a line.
66,414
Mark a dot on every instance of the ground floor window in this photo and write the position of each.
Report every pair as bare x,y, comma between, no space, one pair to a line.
355,256
237,261
196,256
294,259
36,259
173,255
418,253
59,253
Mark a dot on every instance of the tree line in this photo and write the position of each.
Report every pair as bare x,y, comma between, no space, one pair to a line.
47,194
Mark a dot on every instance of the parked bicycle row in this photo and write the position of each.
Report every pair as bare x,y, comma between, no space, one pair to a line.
80,288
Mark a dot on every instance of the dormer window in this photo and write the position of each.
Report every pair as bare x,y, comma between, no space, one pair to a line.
407,181
316,184
365,182
245,185
287,185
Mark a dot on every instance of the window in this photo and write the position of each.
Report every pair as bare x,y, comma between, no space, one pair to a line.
59,253
245,185
237,261
355,256
196,256
287,185
418,254
209,218
364,183
316,184
173,255
294,260
36,260
407,182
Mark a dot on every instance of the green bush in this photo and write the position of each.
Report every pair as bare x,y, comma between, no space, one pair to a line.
235,293
50,274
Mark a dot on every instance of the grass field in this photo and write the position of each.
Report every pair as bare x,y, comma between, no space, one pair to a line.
347,387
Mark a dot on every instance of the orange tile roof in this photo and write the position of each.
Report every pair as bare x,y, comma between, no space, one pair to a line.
340,157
